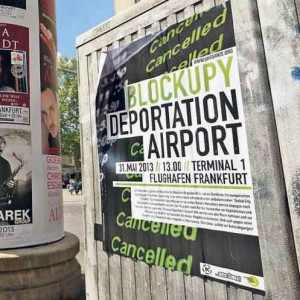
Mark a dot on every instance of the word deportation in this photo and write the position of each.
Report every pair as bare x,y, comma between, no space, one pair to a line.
174,130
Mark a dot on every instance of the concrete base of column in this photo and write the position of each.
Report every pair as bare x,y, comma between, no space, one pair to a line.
48,272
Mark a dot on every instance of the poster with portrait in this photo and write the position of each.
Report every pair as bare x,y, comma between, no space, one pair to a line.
47,10
15,178
49,101
14,74
50,110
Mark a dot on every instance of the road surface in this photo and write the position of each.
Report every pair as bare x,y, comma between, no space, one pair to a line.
74,222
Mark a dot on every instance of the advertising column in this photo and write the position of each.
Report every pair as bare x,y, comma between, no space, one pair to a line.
30,163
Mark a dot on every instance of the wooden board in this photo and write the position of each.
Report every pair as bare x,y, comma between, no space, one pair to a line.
282,48
273,220
91,262
115,277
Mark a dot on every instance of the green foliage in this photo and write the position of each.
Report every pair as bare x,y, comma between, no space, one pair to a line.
69,106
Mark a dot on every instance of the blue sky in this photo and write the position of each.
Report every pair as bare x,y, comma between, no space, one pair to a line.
75,17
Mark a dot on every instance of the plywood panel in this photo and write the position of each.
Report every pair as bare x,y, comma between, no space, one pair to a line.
128,279
282,48
97,62
194,288
87,182
234,293
175,284
143,285
274,229
113,277
215,290
158,283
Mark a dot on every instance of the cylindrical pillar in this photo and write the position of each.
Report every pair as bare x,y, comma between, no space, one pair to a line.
48,272
30,161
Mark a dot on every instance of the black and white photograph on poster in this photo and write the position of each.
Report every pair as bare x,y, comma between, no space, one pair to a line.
13,71
14,74
14,3
15,177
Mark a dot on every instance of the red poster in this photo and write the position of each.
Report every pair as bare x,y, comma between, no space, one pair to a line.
50,110
14,74
47,8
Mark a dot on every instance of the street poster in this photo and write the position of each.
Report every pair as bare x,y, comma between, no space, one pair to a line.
14,74
15,179
50,112
175,176
49,101
30,162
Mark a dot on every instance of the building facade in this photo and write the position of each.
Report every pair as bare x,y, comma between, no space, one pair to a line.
121,5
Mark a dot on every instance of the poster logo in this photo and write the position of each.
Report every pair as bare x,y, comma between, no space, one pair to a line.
17,58
206,269
253,281
240,278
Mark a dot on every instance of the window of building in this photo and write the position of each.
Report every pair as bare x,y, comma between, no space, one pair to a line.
99,55
180,16
148,29
198,6
109,47
163,23
134,36
122,42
